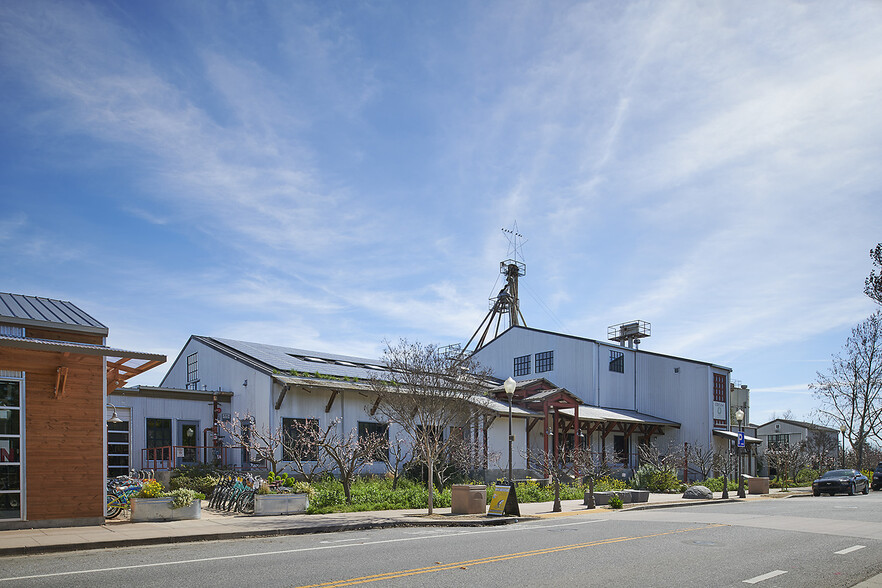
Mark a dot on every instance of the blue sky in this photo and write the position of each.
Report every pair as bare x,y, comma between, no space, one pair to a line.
327,175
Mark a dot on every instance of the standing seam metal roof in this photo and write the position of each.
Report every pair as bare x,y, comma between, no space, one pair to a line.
46,310
285,359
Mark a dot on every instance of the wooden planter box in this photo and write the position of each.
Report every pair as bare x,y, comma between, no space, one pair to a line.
159,509
280,504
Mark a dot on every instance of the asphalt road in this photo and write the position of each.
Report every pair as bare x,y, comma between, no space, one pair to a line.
824,541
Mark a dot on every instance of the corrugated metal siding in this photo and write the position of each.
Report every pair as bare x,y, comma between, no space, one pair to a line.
33,308
582,367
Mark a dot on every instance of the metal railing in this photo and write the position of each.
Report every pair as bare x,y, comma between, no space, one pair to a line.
172,456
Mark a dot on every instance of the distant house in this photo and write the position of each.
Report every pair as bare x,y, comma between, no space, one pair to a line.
55,370
820,441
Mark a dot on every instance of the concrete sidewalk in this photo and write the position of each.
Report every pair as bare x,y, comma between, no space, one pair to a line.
217,525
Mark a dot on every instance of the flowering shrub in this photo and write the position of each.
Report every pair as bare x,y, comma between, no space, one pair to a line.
181,497
150,489
615,502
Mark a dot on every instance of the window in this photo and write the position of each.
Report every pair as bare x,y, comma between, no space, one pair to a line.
522,365
159,435
192,372
296,444
117,449
544,361
380,430
616,361
10,449
720,396
778,441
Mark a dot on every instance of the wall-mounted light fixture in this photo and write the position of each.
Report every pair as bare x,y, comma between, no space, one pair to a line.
114,418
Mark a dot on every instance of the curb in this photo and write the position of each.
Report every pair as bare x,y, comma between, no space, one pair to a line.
173,539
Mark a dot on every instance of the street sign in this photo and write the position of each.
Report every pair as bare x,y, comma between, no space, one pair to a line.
740,439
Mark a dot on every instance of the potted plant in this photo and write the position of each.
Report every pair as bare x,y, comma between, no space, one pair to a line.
153,503
281,496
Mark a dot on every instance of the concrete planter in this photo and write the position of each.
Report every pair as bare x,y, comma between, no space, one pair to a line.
602,498
639,495
627,496
159,509
280,504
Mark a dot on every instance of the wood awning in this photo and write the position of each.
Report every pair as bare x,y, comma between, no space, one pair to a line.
122,365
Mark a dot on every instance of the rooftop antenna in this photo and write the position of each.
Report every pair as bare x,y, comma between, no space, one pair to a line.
506,303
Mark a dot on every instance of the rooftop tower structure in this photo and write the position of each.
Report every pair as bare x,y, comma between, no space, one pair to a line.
505,306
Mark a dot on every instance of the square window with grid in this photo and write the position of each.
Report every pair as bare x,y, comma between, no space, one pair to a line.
616,361
522,365
544,361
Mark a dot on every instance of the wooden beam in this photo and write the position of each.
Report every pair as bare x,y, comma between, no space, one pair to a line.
630,430
60,381
281,396
375,406
331,401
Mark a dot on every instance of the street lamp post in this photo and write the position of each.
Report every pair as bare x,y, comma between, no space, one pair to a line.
510,386
842,429
739,416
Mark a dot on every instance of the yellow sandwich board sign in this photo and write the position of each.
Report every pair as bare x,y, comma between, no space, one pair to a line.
504,501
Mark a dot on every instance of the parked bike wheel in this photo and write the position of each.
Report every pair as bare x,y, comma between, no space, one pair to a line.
114,505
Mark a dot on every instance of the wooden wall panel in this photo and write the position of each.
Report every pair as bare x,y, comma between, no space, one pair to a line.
64,445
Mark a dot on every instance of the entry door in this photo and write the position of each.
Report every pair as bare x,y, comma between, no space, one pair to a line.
620,447
188,439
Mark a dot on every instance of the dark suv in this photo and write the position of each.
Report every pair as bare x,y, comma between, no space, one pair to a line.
877,477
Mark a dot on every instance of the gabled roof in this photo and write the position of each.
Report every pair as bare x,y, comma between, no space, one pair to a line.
286,359
597,341
803,424
19,309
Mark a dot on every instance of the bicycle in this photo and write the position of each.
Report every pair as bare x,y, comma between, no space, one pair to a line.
120,491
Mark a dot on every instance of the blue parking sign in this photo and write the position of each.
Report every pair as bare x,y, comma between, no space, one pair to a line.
740,439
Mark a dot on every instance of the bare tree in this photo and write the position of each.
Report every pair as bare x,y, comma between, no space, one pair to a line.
557,465
426,392
822,449
398,454
302,449
701,457
851,390
873,283
787,460
669,459
264,442
349,452
590,466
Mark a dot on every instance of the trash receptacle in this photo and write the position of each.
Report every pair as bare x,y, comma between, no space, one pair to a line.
758,485
468,499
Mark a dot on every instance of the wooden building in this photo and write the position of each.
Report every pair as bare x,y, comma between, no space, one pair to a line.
55,370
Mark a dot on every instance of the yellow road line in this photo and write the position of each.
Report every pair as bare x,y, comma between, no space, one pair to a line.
495,559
